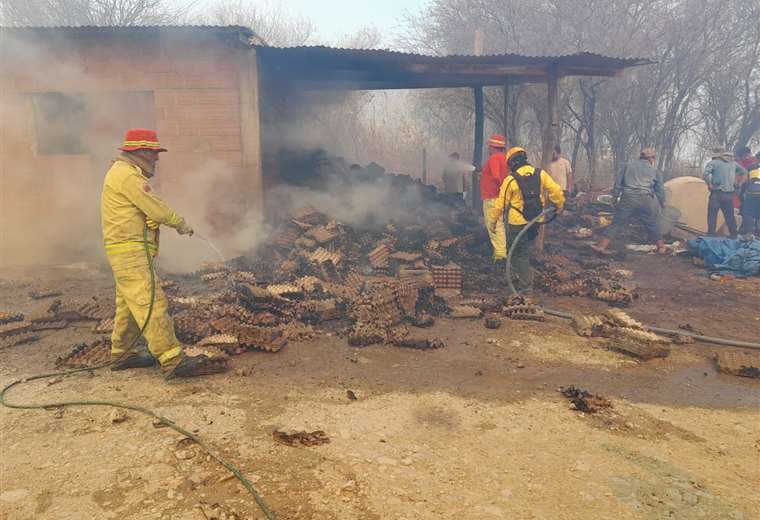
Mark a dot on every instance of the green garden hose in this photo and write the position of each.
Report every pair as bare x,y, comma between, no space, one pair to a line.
658,330
163,420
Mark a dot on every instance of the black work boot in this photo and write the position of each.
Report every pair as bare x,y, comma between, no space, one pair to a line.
200,365
134,360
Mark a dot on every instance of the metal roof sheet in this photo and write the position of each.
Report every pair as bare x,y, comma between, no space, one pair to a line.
323,51
124,28
242,34
323,67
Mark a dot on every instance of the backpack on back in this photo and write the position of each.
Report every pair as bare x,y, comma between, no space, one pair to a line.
530,188
753,188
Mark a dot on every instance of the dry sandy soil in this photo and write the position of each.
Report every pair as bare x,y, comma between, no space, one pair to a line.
476,430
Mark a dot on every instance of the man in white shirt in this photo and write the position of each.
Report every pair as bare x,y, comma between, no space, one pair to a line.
561,171
454,171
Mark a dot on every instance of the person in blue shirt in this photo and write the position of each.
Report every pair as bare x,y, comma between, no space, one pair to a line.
720,176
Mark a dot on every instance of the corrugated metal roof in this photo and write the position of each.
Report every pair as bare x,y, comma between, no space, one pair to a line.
320,66
244,34
343,52
122,28
323,51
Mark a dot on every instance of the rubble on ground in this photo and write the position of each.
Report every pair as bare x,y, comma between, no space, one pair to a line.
365,283
17,339
44,293
86,355
584,401
561,276
10,317
739,363
522,308
492,322
625,334
14,327
315,438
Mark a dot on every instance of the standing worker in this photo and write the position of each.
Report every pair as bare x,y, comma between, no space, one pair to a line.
454,171
720,175
494,173
562,171
128,210
639,192
523,191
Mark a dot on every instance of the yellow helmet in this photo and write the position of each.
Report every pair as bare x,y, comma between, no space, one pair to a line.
514,150
755,173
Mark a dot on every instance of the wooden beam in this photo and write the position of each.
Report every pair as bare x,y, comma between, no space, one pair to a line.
470,69
551,129
505,122
477,151
348,82
424,166
551,132
250,130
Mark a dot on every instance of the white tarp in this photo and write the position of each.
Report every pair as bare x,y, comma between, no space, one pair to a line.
689,196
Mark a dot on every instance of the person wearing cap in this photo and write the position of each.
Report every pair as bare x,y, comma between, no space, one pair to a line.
494,173
524,191
639,192
720,176
130,210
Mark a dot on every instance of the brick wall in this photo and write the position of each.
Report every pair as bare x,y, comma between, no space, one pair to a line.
186,87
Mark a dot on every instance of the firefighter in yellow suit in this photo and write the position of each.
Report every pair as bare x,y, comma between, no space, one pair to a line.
524,182
128,204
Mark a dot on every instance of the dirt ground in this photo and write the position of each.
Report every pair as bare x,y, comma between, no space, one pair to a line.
476,430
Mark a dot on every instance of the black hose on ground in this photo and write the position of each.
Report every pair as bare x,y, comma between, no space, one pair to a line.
668,332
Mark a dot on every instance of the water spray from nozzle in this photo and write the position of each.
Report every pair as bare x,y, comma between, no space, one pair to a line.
211,245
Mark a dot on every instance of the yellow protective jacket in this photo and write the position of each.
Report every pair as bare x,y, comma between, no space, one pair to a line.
510,193
127,199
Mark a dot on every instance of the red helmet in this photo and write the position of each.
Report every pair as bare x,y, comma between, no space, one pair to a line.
141,139
497,141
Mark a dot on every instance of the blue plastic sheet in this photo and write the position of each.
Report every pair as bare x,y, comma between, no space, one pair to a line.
726,256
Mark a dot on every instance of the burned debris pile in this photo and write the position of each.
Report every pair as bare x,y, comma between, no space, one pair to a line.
561,276
383,279
585,401
378,286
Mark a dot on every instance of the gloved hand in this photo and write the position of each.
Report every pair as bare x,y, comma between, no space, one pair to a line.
185,229
152,225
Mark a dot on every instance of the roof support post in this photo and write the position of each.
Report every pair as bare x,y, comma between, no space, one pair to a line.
477,151
505,123
551,131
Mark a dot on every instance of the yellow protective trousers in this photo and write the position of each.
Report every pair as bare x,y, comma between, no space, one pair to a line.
131,273
498,234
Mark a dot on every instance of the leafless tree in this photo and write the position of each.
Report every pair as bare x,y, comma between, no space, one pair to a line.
272,25
704,85
92,12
